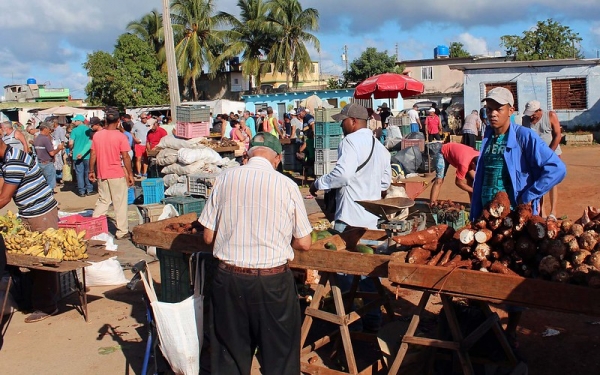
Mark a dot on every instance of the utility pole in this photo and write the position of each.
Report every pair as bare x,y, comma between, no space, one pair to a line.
397,57
171,64
345,56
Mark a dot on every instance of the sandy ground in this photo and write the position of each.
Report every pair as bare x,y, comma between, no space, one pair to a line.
112,342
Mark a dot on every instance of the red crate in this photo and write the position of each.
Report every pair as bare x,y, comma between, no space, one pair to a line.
91,225
192,129
413,142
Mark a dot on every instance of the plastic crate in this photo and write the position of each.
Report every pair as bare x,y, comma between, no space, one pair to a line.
154,190
478,145
91,225
328,128
326,156
322,169
459,223
192,129
185,205
67,284
175,283
406,143
193,113
151,212
201,184
324,114
327,141
131,195
405,130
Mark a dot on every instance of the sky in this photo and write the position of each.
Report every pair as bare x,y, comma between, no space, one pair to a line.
49,40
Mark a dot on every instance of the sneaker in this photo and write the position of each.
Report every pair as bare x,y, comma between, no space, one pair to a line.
81,195
125,236
91,193
145,175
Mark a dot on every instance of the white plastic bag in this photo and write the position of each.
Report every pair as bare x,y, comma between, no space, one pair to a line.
206,154
168,212
107,272
108,239
182,169
178,343
166,156
177,190
170,179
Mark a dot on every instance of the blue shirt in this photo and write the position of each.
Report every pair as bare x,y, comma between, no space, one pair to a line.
533,168
495,176
366,184
252,125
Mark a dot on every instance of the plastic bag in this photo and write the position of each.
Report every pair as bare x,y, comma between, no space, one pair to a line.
178,343
177,190
394,132
409,158
107,272
171,179
182,169
67,176
166,157
108,239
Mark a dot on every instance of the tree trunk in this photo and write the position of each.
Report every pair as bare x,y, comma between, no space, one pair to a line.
194,89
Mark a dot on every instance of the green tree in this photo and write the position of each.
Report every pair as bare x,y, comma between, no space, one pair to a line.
195,24
370,63
250,35
126,78
292,26
546,41
457,50
149,29
333,83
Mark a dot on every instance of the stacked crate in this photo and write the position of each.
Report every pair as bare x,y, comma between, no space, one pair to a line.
328,135
193,121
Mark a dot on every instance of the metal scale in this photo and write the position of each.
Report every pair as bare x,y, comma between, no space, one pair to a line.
393,216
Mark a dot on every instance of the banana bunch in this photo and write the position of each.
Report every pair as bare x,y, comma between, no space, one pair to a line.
10,223
61,244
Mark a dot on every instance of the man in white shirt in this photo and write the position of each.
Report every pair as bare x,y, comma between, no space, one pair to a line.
415,122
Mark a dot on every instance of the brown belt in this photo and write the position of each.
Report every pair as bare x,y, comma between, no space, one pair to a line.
254,271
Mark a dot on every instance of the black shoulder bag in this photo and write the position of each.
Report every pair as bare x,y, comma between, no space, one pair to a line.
329,198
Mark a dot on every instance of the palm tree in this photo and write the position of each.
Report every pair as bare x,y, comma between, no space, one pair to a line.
292,24
250,35
194,21
149,29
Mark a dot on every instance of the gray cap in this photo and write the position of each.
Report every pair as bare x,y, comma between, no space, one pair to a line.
531,107
46,125
352,110
501,96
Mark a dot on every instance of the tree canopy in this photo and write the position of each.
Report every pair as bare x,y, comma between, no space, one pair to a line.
128,77
370,63
546,41
457,50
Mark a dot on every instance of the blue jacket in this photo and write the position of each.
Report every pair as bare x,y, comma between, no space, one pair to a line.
533,167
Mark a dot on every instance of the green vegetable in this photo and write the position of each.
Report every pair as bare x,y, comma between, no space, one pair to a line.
330,246
364,249
323,234
313,236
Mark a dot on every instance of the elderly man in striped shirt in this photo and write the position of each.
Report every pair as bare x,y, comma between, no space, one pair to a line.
22,180
254,297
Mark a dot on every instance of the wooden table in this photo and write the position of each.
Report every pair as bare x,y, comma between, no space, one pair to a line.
35,263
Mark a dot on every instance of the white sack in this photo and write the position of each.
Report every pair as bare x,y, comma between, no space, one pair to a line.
107,272
182,169
171,179
177,190
206,154
166,156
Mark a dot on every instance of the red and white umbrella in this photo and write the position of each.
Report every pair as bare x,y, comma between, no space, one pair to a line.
388,86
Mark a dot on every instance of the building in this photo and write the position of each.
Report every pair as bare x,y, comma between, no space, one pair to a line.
32,92
570,87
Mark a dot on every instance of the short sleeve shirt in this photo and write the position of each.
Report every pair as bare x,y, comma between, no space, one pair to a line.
140,131
108,145
154,137
43,147
460,157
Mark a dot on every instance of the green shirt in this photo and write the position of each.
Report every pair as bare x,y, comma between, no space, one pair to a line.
495,176
82,141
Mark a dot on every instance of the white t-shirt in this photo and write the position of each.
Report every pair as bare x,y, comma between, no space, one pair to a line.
413,115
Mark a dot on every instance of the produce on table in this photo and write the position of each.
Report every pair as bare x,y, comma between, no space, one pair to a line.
447,211
61,244
185,228
513,243
218,144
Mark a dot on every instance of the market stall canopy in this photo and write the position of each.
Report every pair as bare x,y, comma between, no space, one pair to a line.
313,102
62,111
388,86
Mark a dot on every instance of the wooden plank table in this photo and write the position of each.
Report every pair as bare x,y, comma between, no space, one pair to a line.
95,254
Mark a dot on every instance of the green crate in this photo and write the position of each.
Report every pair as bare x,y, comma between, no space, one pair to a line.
327,141
328,128
477,145
185,205
325,114
461,222
175,284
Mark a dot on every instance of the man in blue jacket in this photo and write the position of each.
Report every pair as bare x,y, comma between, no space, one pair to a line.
516,160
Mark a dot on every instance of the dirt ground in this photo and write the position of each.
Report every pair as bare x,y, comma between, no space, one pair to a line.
113,340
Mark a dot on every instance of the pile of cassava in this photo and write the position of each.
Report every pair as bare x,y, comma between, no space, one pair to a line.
513,243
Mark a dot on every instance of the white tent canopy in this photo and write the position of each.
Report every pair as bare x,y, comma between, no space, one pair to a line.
62,111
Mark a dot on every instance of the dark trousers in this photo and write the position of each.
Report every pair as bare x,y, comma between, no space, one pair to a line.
468,139
251,312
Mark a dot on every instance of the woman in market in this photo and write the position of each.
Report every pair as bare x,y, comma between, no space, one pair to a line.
433,126
245,130
238,135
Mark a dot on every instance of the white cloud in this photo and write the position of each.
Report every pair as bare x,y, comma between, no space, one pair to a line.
473,45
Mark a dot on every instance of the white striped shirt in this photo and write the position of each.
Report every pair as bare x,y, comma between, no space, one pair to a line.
255,211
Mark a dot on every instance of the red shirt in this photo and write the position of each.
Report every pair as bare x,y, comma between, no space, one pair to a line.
459,156
108,145
155,136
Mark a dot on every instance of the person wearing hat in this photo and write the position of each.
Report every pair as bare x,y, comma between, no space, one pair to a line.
253,294
414,118
362,172
546,125
46,153
515,160
81,143
296,124
384,112
433,126
109,153
24,183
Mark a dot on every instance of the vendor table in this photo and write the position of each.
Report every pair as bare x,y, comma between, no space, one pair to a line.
35,263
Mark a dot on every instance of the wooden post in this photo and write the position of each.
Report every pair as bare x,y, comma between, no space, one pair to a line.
171,63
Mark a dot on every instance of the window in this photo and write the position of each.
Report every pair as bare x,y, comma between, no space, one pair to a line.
426,73
569,93
510,86
236,81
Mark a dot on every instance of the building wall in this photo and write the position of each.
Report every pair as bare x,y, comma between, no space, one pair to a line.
311,78
535,83
445,81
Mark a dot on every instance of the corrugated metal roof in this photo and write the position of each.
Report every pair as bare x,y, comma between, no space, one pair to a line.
524,64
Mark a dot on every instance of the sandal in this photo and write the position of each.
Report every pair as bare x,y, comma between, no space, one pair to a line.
309,196
38,316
